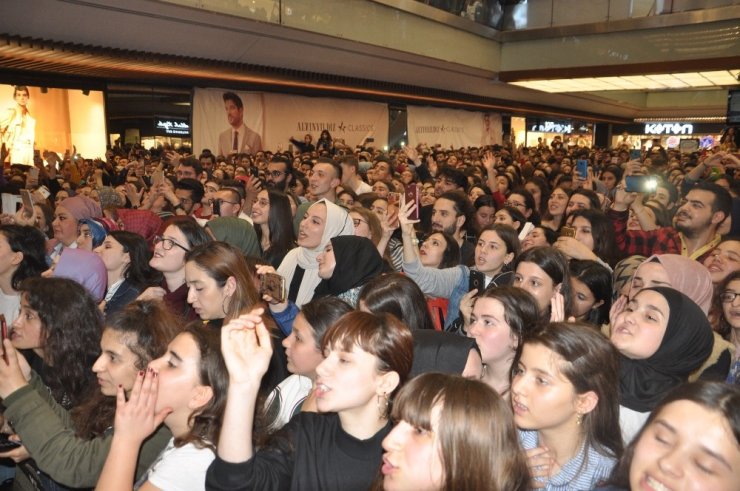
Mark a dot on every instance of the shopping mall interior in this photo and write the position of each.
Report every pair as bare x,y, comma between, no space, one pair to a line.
602,66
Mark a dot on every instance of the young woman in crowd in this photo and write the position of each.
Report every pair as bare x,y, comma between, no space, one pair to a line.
366,359
485,210
181,235
724,260
186,390
273,220
236,232
220,285
303,351
439,250
22,255
451,433
501,318
728,323
76,454
554,216
564,397
92,233
594,238
60,325
126,258
690,441
539,237
543,272
690,278
496,248
347,263
582,199
540,192
591,290
662,336
522,200
67,216
510,216
346,198
322,221
399,295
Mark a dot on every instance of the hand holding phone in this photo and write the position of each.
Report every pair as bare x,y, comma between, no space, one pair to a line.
274,285
411,195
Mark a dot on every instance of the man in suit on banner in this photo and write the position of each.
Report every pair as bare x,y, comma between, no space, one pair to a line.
238,138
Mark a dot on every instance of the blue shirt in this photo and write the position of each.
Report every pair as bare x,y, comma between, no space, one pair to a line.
583,472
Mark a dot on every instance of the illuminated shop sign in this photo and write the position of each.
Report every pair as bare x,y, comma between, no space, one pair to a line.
551,127
669,129
167,125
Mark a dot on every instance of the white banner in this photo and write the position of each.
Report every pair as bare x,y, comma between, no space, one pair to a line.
226,121
453,127
295,116
270,120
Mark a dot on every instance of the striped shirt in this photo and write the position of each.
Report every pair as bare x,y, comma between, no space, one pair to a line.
583,472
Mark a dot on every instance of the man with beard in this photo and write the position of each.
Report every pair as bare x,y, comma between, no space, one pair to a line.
452,213
278,174
695,225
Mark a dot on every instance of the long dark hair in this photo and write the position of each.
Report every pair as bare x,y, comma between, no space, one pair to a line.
399,295
138,272
598,279
280,225
590,363
602,231
718,397
31,243
555,265
146,328
71,326
205,423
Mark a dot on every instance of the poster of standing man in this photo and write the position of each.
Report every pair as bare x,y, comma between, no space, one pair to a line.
227,122
18,129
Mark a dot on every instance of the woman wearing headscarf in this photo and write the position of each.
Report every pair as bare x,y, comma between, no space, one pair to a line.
141,222
439,351
322,221
693,280
67,217
662,337
86,268
347,263
236,232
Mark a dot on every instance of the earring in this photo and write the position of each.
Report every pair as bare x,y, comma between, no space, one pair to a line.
223,304
383,402
579,419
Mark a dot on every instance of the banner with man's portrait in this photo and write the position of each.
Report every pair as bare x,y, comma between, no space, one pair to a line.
227,121
453,127
348,121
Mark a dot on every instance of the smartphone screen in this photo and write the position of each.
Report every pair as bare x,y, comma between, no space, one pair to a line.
640,184
411,194
582,169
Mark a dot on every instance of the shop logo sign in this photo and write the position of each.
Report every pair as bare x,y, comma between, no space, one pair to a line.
669,129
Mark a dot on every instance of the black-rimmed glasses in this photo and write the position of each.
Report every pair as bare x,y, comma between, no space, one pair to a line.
167,244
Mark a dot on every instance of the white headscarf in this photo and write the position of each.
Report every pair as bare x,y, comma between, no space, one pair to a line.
338,222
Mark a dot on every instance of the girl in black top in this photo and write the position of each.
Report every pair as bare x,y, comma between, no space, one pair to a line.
367,358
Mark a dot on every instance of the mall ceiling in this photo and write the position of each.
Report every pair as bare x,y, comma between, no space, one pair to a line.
149,41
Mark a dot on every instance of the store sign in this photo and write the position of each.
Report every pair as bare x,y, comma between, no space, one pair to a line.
551,127
669,129
164,125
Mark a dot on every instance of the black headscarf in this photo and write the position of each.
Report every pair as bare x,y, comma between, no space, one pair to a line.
438,351
686,344
357,262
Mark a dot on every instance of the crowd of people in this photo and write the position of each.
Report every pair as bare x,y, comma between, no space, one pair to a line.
331,318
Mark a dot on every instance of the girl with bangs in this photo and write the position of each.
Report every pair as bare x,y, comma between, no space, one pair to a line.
452,433
367,358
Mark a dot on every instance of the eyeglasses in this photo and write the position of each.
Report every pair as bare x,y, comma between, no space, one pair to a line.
167,244
358,221
728,297
276,173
